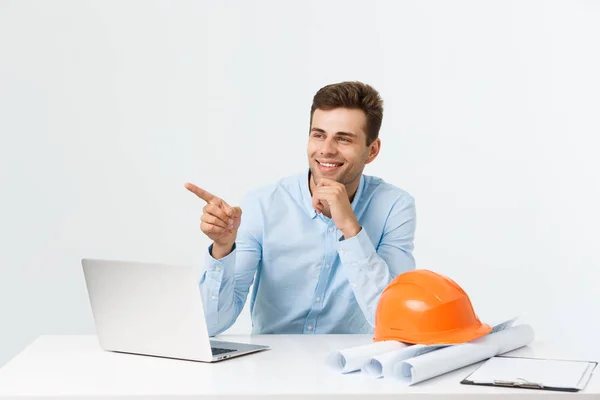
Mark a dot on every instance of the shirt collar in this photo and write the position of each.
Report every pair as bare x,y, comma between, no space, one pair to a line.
307,198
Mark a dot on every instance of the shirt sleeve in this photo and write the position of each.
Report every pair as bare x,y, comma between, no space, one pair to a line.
225,283
370,270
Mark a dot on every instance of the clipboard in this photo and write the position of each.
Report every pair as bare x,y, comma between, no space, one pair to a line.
533,373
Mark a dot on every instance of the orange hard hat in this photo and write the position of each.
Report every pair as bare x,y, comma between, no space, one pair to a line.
424,307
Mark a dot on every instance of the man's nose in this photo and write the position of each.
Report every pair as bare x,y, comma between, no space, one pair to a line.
328,147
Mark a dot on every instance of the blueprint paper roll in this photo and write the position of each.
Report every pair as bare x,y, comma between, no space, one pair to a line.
353,359
382,365
426,366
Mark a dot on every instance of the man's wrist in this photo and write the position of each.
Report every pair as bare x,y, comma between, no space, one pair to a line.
352,230
220,250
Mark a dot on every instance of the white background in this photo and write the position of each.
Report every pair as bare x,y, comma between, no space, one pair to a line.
491,122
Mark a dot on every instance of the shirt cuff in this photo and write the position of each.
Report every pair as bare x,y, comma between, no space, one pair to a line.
218,267
357,248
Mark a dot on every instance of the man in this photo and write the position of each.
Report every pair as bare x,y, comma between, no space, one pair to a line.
320,246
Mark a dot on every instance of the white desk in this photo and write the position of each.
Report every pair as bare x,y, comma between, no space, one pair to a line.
76,367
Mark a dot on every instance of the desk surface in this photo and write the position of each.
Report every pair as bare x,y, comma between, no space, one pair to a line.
76,366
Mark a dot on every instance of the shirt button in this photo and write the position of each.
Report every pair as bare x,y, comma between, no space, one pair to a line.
327,266
330,229
217,268
354,285
318,299
310,327
213,297
342,252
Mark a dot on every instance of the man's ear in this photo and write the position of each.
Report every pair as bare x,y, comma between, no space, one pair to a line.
373,150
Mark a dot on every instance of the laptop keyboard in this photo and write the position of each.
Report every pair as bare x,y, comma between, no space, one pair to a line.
218,350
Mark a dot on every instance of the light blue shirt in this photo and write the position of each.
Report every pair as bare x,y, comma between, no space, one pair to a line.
307,277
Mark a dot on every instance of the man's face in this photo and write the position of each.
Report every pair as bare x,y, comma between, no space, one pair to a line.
337,145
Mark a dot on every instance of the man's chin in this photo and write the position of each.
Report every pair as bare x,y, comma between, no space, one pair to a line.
318,176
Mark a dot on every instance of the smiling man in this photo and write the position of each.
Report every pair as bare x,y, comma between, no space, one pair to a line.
319,246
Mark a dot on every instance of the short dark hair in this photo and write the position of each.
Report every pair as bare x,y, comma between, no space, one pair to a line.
354,95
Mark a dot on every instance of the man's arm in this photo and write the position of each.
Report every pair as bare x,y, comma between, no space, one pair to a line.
231,260
369,270
225,283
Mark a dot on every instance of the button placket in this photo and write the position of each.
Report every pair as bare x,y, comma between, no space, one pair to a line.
324,277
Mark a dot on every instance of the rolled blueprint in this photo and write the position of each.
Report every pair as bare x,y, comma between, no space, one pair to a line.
352,359
426,366
383,364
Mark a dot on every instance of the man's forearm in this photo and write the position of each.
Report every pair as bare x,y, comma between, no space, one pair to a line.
368,272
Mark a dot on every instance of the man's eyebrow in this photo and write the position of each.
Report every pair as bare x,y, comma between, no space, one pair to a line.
353,135
341,133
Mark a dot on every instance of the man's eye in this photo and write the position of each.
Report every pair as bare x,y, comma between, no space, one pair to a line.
344,139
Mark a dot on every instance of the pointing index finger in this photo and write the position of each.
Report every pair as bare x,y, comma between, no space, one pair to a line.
203,194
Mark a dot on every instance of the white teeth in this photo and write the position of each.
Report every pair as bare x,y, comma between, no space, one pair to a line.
329,165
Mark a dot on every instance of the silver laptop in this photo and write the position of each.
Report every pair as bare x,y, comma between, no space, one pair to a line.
153,309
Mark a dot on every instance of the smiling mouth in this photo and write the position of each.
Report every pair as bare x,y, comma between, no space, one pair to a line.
328,167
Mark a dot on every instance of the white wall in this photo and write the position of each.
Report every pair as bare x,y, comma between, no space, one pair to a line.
491,122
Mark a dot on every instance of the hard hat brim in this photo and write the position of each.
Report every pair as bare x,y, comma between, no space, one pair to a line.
440,338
